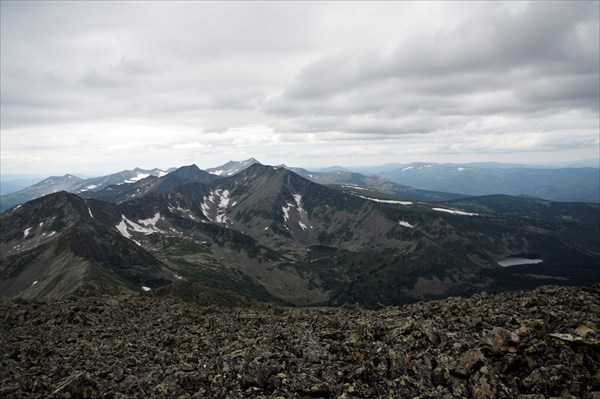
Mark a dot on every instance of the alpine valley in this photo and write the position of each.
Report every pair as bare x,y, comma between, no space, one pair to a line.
252,232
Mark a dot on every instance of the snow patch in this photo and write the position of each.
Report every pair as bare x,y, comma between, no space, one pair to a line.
146,288
34,283
217,172
89,187
517,260
148,226
455,212
26,232
152,221
408,168
298,206
266,228
137,177
385,201
354,186
220,199
286,215
405,224
41,224
301,211
460,169
90,211
224,199
122,227
51,233
223,202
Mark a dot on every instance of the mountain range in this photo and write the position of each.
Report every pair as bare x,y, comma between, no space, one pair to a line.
76,185
416,181
269,234
560,184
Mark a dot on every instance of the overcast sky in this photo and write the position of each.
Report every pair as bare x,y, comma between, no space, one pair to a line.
100,87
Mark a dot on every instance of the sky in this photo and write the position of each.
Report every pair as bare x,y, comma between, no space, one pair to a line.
98,87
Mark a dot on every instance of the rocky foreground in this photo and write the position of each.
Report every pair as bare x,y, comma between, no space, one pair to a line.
538,344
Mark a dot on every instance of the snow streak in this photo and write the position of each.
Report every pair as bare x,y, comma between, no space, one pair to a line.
455,212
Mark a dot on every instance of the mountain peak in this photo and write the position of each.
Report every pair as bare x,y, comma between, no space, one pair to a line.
66,177
232,167
186,171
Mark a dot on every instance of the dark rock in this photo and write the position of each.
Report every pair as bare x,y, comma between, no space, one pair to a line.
485,346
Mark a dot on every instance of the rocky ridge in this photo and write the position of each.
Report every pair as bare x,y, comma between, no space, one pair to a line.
538,344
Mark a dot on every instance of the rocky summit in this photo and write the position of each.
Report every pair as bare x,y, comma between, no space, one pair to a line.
537,344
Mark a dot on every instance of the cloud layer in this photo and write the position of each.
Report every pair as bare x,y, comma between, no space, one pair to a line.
100,86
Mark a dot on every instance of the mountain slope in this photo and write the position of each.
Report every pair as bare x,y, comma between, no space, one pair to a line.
232,167
47,186
123,177
74,184
565,184
54,246
506,205
333,241
152,184
273,235
357,181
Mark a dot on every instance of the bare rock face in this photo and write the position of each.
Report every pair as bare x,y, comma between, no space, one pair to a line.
539,344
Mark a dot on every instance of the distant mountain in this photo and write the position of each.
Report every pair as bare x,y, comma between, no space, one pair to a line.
52,184
356,182
565,184
331,169
8,181
381,169
232,167
74,184
152,184
7,187
336,175
531,208
124,177
270,234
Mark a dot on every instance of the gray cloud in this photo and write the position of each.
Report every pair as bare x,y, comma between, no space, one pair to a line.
542,57
256,79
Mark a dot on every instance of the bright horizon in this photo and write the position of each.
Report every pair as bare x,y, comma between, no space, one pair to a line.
93,88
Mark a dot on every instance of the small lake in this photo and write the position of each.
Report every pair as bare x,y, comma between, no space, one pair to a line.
517,260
